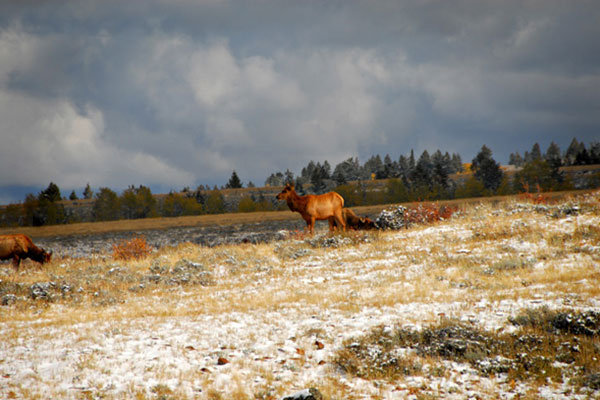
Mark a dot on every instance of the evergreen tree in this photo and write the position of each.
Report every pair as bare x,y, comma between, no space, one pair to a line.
583,157
288,176
348,170
390,168
411,167
440,171
234,181
87,192
318,179
411,160
52,193
404,169
338,177
571,154
457,164
552,156
275,179
326,170
307,171
515,159
372,167
73,196
486,169
536,152
447,163
299,186
423,171
595,152
49,211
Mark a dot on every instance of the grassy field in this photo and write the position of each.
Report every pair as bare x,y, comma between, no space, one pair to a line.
500,301
229,218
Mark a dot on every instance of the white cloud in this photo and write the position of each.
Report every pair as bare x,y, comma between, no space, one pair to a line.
52,141
187,93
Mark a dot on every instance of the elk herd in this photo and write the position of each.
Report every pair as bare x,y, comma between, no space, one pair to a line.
312,207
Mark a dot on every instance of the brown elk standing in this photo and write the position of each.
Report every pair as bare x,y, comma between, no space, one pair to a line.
314,207
19,247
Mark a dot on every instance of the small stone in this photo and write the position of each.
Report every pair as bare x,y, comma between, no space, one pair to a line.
306,394
222,361
8,299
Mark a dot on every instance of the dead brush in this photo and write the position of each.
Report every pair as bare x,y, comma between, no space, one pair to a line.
427,213
132,249
535,198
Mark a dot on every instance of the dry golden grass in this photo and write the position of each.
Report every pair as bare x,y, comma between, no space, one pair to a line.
490,252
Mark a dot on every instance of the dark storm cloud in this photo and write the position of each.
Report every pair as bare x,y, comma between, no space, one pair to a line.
177,93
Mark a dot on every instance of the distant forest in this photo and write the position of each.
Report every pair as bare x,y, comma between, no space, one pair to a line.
429,177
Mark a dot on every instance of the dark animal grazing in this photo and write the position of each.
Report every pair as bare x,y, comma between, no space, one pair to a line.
314,207
353,221
19,247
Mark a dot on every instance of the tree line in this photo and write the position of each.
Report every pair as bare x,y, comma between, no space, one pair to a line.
377,181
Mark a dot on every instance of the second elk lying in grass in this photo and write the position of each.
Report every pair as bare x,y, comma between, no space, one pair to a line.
353,221
314,207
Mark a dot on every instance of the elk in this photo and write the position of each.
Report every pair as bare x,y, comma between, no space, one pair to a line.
314,207
18,247
353,221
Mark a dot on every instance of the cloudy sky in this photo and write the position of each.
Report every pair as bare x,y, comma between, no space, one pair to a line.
175,93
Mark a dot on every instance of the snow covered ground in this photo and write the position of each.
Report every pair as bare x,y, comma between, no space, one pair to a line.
276,314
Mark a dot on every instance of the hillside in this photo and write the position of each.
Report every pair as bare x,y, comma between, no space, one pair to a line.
499,301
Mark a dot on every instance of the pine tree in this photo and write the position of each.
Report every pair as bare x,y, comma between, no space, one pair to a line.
52,193
571,154
553,156
423,171
403,169
318,179
515,159
486,169
348,170
373,166
390,168
536,152
234,182
275,179
87,192
595,152
289,176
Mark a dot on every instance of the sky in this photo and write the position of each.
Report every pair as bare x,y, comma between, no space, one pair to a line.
177,93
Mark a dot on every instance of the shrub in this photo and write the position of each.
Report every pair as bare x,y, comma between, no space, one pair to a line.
134,248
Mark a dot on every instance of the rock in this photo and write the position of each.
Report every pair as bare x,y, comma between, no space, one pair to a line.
222,361
41,290
306,394
393,218
8,299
